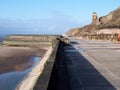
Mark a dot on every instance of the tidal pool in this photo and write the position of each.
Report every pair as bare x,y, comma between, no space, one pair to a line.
10,80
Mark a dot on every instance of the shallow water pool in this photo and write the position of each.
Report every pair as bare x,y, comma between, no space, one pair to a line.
10,80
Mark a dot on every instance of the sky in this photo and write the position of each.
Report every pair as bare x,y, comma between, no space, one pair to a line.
50,16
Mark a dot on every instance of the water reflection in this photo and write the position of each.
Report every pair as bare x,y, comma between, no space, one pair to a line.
10,80
36,59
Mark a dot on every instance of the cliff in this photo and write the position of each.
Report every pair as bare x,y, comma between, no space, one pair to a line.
109,24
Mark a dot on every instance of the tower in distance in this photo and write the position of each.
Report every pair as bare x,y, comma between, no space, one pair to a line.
94,17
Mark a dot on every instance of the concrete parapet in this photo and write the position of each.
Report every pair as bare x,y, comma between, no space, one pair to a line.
30,80
55,70
40,76
50,71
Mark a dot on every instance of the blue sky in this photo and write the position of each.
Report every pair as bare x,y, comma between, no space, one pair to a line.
50,16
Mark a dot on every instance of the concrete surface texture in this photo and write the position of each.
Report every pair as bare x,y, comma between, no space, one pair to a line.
93,64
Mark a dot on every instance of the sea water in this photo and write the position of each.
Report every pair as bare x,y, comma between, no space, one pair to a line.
2,37
10,80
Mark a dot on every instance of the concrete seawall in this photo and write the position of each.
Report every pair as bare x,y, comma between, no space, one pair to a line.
55,73
46,75
39,41
30,80
110,37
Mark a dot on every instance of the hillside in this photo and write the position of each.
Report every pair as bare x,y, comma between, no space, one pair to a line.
108,24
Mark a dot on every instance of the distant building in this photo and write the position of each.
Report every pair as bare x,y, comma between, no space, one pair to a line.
95,19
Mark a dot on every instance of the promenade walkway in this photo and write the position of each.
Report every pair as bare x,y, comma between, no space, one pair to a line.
93,65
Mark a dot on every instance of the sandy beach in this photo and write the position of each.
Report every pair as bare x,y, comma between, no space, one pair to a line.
17,58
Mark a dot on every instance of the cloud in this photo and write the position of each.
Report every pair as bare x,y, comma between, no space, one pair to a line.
55,25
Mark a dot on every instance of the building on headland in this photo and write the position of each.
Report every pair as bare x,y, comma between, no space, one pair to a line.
95,19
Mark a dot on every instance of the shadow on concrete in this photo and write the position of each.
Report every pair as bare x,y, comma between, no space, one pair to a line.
67,69
59,79
82,74
72,42
55,73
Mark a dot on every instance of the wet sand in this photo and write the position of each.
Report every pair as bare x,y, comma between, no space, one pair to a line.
17,58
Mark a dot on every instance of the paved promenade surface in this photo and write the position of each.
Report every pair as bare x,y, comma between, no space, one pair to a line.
93,65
